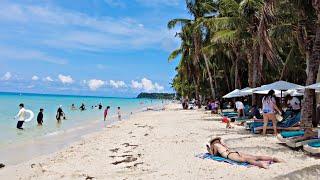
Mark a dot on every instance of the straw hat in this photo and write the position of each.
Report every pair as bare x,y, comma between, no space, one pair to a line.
214,139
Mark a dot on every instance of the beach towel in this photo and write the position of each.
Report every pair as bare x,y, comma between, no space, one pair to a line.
221,159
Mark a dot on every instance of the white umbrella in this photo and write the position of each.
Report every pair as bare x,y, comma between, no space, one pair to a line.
279,85
246,91
232,94
314,86
277,92
294,92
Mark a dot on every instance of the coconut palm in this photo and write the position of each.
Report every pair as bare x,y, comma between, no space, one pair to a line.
198,9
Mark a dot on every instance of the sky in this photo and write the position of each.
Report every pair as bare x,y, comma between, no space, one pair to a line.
88,47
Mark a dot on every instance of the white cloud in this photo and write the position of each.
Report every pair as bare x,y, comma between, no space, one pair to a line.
27,54
115,3
35,78
117,84
136,85
7,76
65,79
159,2
65,29
147,85
30,86
95,84
48,78
101,66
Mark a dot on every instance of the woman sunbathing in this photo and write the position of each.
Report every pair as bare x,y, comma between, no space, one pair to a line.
217,148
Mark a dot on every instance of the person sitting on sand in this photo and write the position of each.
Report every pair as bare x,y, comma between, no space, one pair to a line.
217,148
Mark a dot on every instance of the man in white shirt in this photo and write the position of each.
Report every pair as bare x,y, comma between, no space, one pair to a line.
240,108
294,103
21,116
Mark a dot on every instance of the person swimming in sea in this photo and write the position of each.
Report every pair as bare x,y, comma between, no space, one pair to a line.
40,117
100,106
73,107
82,107
60,114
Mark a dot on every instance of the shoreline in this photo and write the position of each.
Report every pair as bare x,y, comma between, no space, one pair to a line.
57,140
163,145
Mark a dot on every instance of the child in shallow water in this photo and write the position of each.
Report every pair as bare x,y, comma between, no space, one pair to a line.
217,148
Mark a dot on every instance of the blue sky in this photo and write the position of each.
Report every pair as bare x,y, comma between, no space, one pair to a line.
87,47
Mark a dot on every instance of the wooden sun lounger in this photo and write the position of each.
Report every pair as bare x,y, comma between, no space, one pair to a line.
312,150
294,144
294,128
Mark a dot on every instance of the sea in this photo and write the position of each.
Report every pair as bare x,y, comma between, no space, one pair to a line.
52,135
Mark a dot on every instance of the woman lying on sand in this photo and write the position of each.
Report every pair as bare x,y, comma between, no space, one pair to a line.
216,147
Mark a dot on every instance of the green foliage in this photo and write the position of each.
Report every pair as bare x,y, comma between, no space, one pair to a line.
243,37
156,95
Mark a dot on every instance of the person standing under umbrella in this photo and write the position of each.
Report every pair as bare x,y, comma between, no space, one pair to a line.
268,107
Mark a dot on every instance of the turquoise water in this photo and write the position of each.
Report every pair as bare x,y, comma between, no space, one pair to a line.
75,119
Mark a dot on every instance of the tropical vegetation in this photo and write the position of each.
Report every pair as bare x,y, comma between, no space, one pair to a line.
229,44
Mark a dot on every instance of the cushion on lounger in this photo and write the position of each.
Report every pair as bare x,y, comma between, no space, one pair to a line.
288,134
315,144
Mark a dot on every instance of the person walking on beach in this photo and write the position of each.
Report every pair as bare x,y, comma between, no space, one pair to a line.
21,116
105,114
40,117
60,114
119,113
268,107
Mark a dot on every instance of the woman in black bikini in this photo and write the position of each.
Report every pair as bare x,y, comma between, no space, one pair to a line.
217,148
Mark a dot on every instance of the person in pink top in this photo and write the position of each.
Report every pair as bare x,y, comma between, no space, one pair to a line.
105,114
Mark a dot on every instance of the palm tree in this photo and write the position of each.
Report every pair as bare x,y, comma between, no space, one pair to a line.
197,8
313,67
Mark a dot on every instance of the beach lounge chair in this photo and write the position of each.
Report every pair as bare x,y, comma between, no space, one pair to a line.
289,124
313,147
296,144
288,135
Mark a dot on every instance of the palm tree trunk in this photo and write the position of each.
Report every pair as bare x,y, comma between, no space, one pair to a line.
313,66
250,68
210,76
236,69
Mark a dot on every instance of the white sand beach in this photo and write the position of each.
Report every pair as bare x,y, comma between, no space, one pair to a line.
163,145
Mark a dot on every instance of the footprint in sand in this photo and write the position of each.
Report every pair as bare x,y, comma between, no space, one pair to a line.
115,150
126,160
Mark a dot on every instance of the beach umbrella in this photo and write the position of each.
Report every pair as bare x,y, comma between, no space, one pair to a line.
277,92
246,91
279,85
232,94
314,86
295,92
